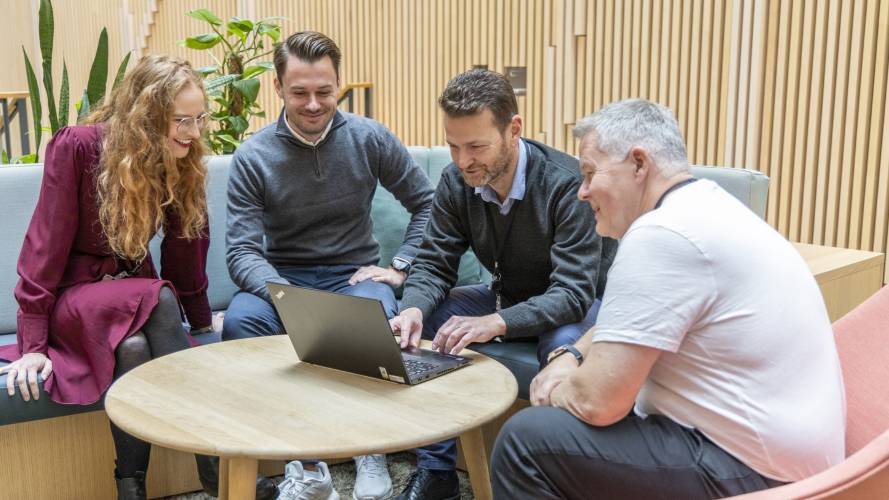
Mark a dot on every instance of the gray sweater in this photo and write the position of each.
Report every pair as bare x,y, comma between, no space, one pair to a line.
553,263
312,204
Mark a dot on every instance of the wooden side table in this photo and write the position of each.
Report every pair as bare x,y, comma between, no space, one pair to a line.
846,277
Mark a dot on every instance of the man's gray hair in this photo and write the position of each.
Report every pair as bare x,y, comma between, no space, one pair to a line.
623,125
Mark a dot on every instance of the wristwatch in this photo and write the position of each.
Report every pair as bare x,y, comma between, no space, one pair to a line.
401,265
558,351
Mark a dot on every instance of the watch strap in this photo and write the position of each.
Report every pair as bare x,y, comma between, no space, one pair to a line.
567,348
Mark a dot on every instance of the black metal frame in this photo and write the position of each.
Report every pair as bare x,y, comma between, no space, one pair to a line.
20,109
349,96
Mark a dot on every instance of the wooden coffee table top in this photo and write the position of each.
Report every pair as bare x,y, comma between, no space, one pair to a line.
253,398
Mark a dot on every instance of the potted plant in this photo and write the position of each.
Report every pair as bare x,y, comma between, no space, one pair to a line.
232,81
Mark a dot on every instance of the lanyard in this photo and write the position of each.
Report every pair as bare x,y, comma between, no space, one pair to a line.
496,277
672,188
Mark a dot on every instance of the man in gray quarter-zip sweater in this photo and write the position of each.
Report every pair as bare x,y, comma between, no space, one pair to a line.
514,202
299,204
299,201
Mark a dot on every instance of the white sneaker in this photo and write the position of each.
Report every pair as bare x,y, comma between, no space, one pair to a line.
300,484
372,480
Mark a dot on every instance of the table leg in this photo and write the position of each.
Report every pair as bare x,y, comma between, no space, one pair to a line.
473,444
237,478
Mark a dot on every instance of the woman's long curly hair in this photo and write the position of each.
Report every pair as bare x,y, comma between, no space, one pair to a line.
139,181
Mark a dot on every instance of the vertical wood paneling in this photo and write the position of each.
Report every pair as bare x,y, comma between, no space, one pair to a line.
795,88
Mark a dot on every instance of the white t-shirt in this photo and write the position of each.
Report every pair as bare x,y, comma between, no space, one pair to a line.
749,355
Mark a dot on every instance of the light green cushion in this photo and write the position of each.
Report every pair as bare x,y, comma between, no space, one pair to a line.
390,221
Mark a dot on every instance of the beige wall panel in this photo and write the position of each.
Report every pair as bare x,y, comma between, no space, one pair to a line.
862,133
22,14
797,144
849,132
812,167
794,88
869,213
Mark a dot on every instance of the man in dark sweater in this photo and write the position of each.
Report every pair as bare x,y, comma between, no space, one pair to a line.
514,202
299,203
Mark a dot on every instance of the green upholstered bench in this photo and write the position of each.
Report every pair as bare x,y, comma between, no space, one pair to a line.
19,188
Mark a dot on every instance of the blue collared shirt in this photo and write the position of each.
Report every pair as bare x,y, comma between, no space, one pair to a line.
516,192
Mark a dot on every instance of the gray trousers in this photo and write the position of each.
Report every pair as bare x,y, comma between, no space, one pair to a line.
547,453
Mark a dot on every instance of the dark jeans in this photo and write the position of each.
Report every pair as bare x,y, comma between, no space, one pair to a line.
478,300
547,453
251,316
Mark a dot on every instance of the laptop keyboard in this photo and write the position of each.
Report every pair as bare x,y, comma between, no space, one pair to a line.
416,367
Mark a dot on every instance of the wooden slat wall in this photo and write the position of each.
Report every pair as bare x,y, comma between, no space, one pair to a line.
77,28
795,88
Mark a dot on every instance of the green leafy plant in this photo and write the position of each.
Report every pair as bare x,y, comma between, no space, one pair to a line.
232,82
95,89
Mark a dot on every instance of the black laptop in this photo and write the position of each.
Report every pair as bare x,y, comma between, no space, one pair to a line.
352,334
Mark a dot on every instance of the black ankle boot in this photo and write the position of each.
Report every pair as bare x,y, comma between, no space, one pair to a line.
426,484
208,473
130,488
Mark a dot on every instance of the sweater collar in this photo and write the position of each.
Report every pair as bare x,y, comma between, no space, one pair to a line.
283,130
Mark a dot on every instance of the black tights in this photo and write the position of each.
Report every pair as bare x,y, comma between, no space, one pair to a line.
161,334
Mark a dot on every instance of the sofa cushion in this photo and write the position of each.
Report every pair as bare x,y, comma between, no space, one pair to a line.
221,289
751,187
439,158
390,220
14,410
19,190
520,356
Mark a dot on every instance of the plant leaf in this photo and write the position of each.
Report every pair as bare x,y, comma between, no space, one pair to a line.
243,24
31,158
4,158
36,106
64,97
273,31
229,139
239,125
208,70
203,42
217,82
98,79
255,70
83,108
205,15
121,71
239,27
46,28
247,88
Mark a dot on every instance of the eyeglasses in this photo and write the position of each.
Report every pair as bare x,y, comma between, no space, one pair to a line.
184,125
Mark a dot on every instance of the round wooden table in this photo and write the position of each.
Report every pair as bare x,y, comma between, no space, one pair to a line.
247,400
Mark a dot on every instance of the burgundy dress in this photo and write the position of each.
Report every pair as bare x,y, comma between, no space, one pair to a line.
66,309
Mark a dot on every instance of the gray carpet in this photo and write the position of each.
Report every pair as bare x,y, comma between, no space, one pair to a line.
400,467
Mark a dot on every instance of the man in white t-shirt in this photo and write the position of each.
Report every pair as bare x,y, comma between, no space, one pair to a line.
712,370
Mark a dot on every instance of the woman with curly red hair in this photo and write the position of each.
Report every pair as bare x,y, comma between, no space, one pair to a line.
91,304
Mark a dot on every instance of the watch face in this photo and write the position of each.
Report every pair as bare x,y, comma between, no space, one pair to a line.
400,265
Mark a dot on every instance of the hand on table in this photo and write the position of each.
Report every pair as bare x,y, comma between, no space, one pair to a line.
460,331
23,372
